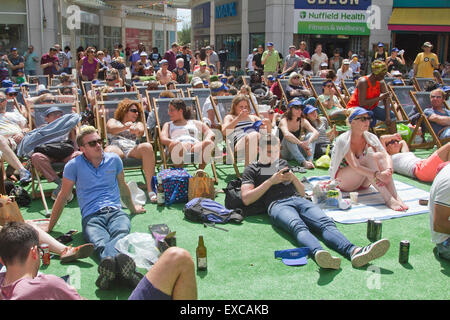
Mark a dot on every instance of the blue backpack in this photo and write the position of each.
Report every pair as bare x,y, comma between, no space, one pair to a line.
207,210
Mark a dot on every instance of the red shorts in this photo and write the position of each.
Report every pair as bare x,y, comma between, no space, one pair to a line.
426,168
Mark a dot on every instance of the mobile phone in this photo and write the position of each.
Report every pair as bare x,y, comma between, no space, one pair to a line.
285,170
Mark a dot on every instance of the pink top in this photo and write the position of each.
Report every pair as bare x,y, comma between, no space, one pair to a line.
88,69
43,287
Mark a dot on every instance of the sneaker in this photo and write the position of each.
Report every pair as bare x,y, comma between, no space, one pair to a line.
106,273
371,252
126,269
70,254
325,260
25,177
56,192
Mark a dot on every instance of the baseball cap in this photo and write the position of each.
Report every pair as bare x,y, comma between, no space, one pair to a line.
144,54
13,49
345,61
51,110
255,49
354,55
427,44
196,81
293,257
361,111
7,84
324,64
269,44
271,78
380,44
395,50
10,90
295,102
163,61
309,108
208,48
203,63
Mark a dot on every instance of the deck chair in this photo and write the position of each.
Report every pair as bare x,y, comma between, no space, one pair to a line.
119,96
446,81
36,93
420,83
422,101
184,88
201,93
401,95
348,86
42,79
55,81
316,88
162,116
39,120
222,107
283,84
154,94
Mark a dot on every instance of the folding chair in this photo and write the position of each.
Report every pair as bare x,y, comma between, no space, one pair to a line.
184,88
55,81
42,79
316,87
39,120
401,95
420,83
154,94
36,93
119,96
283,84
421,99
162,117
348,87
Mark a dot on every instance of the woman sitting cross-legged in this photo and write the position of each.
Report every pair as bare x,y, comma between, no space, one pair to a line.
123,132
242,128
359,160
291,125
186,139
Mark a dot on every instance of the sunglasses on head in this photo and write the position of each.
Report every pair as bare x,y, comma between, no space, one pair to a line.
94,143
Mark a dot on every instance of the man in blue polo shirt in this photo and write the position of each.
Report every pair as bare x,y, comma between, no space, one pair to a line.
100,183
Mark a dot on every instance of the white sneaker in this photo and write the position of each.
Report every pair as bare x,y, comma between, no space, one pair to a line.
371,252
325,260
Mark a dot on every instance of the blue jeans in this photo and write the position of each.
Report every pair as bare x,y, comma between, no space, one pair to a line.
380,114
291,150
300,217
104,228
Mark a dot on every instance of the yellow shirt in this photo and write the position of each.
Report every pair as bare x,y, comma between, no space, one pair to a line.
424,67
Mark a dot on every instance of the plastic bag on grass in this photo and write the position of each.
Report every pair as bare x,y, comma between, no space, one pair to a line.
141,247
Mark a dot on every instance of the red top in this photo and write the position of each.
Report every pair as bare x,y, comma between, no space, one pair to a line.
373,91
46,59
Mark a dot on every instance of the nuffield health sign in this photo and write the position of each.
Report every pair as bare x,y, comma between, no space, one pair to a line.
346,17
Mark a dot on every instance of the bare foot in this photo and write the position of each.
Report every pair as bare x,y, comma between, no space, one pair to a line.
404,206
308,165
396,205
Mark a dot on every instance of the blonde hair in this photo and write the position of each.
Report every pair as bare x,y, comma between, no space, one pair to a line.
84,131
238,99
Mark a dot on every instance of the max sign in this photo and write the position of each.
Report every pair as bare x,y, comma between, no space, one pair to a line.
226,10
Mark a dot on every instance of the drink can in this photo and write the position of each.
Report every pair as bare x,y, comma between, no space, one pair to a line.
370,223
377,230
45,254
404,251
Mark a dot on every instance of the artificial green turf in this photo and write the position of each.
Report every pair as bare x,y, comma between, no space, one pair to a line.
241,262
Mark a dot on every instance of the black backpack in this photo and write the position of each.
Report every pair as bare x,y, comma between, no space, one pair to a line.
207,210
233,200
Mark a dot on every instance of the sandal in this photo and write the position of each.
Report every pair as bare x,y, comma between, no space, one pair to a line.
153,197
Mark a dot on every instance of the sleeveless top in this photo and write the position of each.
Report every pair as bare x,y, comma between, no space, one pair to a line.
186,133
238,132
89,68
181,78
373,91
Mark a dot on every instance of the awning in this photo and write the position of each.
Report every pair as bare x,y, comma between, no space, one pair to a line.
94,4
420,19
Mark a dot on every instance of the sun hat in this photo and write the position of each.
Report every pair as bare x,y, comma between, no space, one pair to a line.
309,108
378,67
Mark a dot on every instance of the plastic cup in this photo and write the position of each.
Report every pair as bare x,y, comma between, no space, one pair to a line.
354,197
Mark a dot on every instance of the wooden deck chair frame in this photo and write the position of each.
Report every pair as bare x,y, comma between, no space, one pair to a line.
418,85
230,151
345,89
423,118
120,96
150,97
397,100
192,91
184,88
35,174
283,93
321,106
159,130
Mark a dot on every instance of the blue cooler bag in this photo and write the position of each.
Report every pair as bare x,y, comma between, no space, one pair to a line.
175,182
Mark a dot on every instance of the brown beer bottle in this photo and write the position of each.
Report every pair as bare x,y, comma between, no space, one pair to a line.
160,192
202,264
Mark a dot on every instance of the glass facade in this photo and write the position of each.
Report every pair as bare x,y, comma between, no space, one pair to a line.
13,26
231,43
112,37
256,39
159,41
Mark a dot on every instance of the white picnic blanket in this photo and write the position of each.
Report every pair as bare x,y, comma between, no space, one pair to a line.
371,204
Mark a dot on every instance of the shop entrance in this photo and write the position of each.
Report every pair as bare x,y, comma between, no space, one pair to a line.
412,48
330,43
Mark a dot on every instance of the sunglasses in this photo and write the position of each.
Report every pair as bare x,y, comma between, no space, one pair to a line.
12,94
392,142
329,86
364,119
111,80
133,110
94,143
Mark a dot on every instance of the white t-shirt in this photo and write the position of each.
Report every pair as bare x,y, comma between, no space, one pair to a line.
347,75
317,60
440,194
405,163
250,62
11,123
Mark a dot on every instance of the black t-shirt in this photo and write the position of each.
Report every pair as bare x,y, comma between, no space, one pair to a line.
257,58
257,173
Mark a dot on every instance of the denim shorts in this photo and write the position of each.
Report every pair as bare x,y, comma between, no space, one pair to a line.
146,291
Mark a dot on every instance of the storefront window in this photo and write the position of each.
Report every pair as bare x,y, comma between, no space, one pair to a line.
159,41
256,39
231,43
88,35
13,27
112,37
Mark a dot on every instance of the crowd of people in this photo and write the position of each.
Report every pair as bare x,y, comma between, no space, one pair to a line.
294,123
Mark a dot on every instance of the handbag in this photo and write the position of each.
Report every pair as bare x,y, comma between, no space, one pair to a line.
201,186
9,210
56,150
